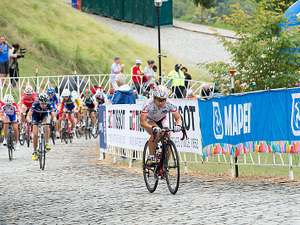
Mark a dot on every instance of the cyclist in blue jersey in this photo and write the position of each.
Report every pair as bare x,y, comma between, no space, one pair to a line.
39,113
69,105
53,100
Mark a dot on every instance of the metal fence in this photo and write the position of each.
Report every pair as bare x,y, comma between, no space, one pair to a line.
81,82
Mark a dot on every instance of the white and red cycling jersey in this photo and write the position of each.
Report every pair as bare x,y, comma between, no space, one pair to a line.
9,111
28,100
155,114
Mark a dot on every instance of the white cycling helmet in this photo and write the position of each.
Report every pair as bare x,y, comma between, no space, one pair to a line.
65,93
161,92
74,94
8,99
138,61
28,90
189,92
99,92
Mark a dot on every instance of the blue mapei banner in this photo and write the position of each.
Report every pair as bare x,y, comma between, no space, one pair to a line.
261,116
102,127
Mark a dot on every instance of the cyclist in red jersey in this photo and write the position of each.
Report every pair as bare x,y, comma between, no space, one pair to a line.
27,99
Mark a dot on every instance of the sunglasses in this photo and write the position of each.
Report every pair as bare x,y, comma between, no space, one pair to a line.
160,99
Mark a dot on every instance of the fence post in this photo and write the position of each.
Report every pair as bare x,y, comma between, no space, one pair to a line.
185,165
236,167
101,154
130,157
231,166
291,167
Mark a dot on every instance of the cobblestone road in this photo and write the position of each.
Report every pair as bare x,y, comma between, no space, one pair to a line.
74,190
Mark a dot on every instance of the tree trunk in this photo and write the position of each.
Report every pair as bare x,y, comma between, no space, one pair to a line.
202,9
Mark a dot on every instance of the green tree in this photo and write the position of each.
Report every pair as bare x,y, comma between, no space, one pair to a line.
205,4
265,56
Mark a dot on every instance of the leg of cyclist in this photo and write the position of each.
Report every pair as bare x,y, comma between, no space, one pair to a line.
16,134
23,110
93,117
47,133
72,118
35,140
152,144
78,116
5,128
84,115
65,110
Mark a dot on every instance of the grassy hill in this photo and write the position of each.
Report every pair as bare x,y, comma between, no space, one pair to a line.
59,38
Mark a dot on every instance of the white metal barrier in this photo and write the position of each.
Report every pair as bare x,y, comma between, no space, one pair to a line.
72,82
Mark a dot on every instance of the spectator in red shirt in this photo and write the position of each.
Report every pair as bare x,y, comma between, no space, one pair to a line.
136,73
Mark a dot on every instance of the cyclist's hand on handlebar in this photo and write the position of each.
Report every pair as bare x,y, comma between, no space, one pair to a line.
177,128
156,130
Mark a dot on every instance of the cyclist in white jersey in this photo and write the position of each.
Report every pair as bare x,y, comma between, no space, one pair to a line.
153,117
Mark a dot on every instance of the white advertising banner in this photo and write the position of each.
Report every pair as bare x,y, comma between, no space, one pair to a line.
124,130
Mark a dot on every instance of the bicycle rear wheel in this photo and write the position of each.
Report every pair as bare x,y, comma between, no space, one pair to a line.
10,144
42,152
149,172
172,167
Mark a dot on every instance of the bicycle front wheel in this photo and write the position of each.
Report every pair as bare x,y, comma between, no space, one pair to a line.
149,171
42,152
10,144
28,135
172,167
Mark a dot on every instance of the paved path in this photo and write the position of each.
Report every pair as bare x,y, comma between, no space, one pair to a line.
188,47
74,189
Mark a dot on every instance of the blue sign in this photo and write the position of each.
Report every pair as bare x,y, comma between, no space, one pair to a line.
262,116
102,127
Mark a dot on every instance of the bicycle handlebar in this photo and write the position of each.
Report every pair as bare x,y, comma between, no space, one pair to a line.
166,129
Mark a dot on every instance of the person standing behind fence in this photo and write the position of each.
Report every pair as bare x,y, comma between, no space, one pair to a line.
149,72
187,83
13,56
124,94
116,69
136,73
177,81
4,58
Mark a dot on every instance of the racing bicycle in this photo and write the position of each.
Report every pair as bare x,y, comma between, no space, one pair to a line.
10,139
41,151
166,164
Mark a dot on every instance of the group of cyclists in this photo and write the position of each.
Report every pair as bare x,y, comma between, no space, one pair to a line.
46,108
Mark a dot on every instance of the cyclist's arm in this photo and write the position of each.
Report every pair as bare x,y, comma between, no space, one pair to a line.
143,122
177,118
18,115
28,118
53,116
2,116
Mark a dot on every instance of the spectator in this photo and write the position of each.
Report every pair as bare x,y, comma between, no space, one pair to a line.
124,94
4,58
146,94
206,91
136,73
177,81
156,79
13,64
149,72
217,88
110,95
116,69
190,94
188,78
